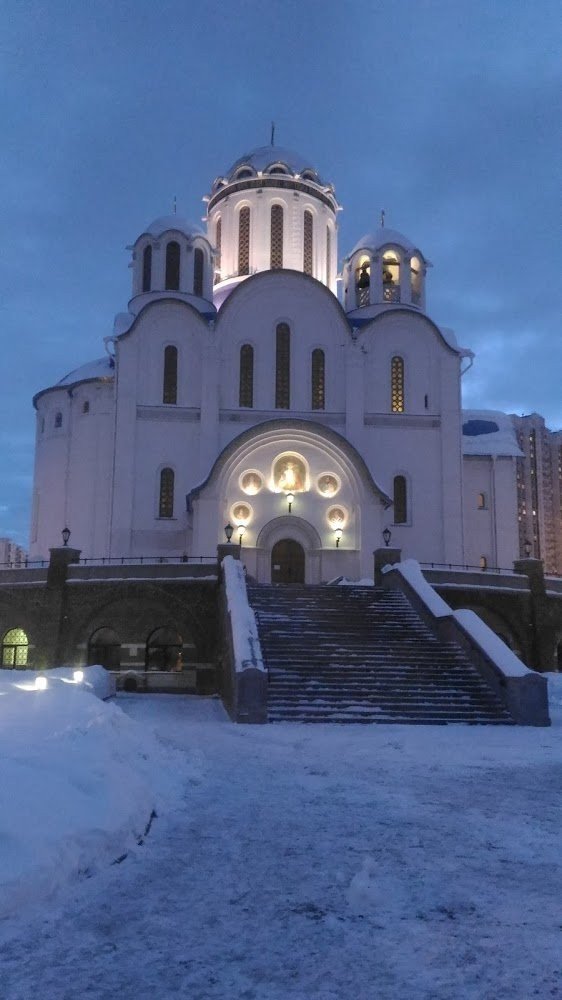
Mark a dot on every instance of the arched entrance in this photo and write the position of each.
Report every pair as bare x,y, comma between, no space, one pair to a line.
287,562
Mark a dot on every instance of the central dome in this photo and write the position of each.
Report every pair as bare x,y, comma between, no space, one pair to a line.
265,159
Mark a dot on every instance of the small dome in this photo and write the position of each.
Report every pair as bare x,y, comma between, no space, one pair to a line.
102,368
382,237
168,222
265,157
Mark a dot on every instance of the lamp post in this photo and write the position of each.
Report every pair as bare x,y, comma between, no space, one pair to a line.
338,532
228,530
290,498
527,547
387,535
241,530
65,536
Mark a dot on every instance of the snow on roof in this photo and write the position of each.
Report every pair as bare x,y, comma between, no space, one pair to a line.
489,432
165,223
381,237
102,368
265,156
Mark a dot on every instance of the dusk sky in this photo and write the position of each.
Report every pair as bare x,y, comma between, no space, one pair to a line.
445,114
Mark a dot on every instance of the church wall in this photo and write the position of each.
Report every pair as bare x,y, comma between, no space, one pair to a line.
490,510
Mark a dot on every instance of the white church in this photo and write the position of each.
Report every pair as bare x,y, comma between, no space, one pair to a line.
255,385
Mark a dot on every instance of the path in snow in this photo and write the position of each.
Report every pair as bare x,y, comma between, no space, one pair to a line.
320,863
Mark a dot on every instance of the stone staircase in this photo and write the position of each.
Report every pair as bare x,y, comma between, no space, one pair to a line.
362,654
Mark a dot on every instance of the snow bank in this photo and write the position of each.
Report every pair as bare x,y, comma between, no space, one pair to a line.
96,679
247,649
494,647
78,783
410,570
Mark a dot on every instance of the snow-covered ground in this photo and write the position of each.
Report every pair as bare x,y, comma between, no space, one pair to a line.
287,862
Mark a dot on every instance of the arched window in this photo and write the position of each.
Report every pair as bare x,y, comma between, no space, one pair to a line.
276,255
390,276
246,394
400,498
483,562
147,268
397,385
198,261
166,504
163,650
86,406
244,241
307,243
218,248
58,419
104,648
415,280
363,281
173,266
170,385
15,646
481,502
282,367
318,380
328,255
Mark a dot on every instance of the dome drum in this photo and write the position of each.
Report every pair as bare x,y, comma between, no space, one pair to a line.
172,256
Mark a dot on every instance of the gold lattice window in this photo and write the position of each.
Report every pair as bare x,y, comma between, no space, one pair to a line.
244,241
328,254
218,246
170,387
276,258
246,396
14,648
307,243
318,380
282,366
166,504
397,385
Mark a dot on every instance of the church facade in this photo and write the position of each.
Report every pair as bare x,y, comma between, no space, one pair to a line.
254,385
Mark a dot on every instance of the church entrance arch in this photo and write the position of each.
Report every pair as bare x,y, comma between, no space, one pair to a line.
287,562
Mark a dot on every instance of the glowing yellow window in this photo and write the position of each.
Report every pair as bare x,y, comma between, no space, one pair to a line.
14,648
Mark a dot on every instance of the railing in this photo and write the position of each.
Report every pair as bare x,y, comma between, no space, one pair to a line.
26,564
145,560
391,293
362,295
466,567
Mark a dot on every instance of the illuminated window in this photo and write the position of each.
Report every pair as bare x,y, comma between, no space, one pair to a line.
170,386
147,269
276,256
218,246
390,277
198,260
307,243
318,381
246,394
282,366
244,241
104,648
166,504
397,384
481,501
363,281
415,280
58,419
173,266
400,500
15,646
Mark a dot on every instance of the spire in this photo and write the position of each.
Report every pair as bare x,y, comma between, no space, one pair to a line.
383,213
272,134
175,204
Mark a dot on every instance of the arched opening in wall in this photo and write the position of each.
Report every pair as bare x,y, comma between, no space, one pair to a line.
166,497
363,281
198,263
147,269
318,400
163,650
173,266
390,276
282,366
415,280
170,382
276,253
246,387
287,562
244,241
104,648
58,420
15,647
400,497
308,230
559,657
498,625
397,398
218,250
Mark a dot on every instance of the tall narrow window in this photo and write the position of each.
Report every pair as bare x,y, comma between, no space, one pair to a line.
218,248
173,266
415,280
244,241
276,256
282,366
390,277
307,243
170,386
246,395
198,260
58,419
400,500
328,255
166,504
147,269
318,383
397,385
